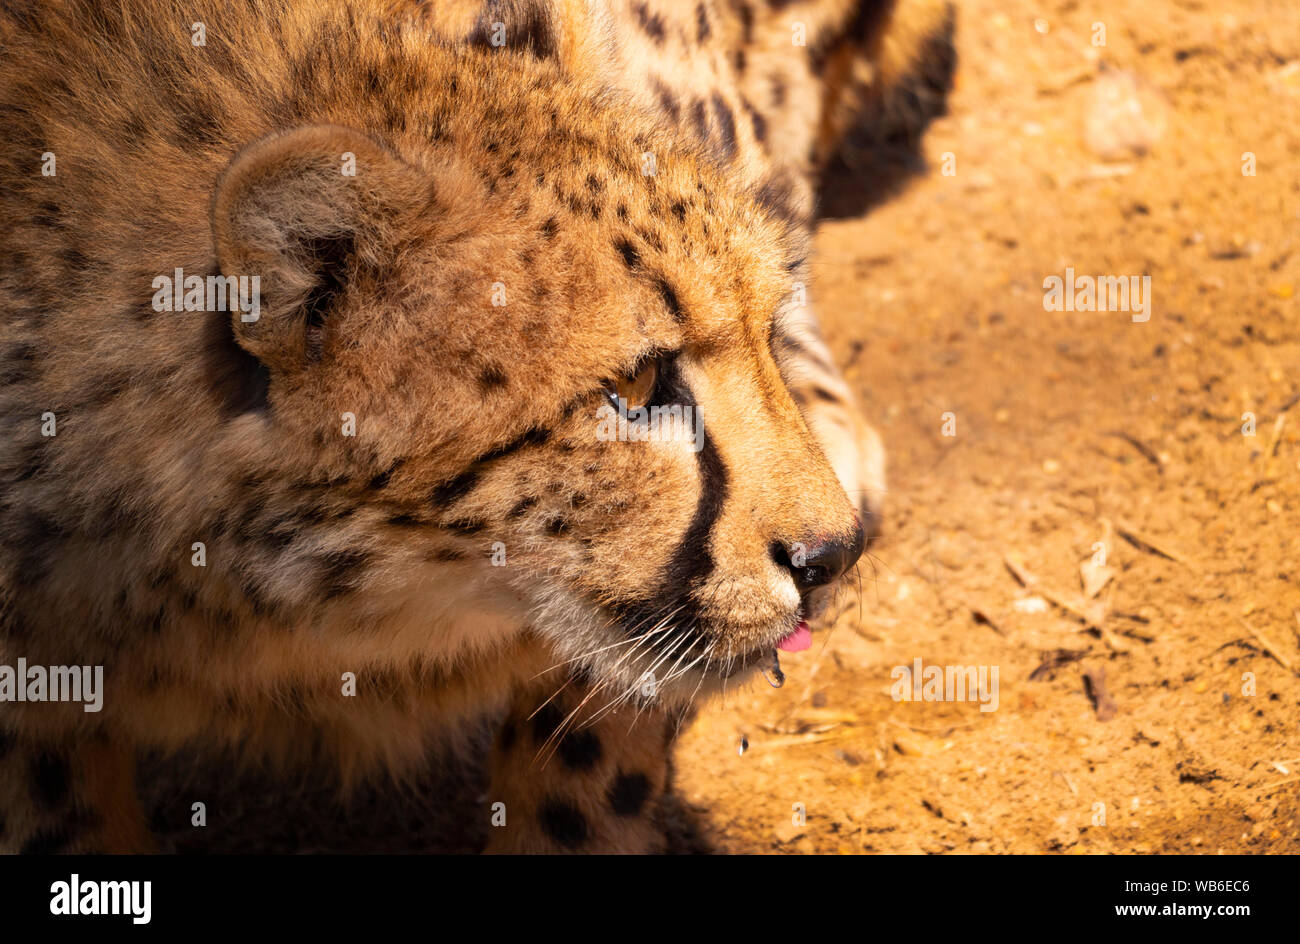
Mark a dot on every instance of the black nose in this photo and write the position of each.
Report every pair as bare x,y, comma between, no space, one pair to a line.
819,562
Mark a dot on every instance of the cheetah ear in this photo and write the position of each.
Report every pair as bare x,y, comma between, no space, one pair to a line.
307,211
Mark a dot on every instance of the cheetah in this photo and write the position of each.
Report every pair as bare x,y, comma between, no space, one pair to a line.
371,368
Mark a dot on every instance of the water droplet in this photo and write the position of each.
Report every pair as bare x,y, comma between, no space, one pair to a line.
775,677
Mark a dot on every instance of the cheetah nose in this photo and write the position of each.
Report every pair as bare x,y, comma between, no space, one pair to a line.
817,564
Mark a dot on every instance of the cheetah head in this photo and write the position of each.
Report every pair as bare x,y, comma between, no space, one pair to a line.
552,331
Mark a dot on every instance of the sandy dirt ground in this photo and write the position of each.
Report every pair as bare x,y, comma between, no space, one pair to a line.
1100,528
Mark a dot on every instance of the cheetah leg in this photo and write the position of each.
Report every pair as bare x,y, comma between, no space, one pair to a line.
853,446
574,780
72,798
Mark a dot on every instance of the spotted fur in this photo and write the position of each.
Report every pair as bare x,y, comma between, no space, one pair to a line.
395,474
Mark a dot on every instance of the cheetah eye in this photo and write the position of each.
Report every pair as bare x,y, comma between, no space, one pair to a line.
635,391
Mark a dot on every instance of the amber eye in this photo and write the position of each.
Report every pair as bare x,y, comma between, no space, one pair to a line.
635,392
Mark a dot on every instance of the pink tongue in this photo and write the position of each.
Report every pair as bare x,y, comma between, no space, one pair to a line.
797,641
